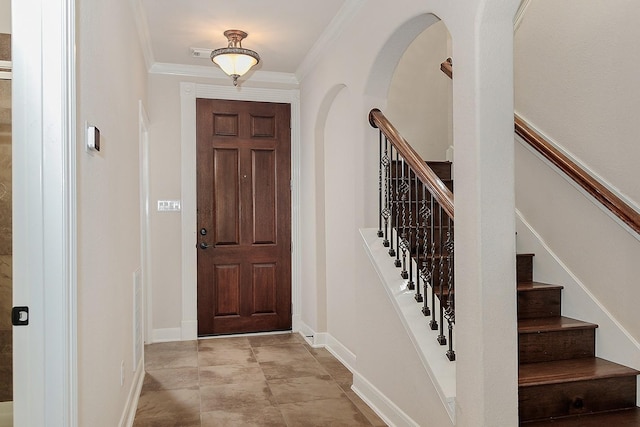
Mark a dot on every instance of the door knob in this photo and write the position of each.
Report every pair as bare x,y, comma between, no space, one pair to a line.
204,245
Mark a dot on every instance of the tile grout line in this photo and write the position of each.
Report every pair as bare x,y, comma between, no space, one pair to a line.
268,384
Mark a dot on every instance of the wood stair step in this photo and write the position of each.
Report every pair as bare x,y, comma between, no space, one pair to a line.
621,418
574,387
538,300
560,371
537,286
545,339
551,324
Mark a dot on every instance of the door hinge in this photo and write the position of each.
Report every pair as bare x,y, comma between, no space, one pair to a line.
20,316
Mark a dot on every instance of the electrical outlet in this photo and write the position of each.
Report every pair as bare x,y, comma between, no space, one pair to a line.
122,373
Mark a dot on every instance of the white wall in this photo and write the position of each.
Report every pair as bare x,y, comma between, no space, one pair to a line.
398,370
576,80
341,227
420,95
164,161
111,79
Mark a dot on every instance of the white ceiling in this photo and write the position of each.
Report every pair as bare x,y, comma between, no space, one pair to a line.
283,32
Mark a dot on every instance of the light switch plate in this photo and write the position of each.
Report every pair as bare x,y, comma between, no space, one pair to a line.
93,138
168,205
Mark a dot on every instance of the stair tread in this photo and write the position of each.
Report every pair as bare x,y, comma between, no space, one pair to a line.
621,418
535,286
562,371
548,324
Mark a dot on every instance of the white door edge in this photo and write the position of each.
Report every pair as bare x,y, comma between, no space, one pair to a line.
44,221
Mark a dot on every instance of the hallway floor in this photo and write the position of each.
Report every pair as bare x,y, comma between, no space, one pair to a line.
266,380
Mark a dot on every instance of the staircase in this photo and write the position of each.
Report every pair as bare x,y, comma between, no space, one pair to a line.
561,382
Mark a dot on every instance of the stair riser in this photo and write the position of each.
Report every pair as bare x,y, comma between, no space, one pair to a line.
556,345
524,268
558,400
622,418
441,169
539,303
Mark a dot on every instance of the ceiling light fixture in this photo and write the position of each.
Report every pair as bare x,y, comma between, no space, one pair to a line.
234,59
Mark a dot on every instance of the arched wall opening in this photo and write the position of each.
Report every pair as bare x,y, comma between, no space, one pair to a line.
379,80
344,205
420,97
342,219
482,55
321,239
402,82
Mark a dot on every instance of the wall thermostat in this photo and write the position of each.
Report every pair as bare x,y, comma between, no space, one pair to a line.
93,138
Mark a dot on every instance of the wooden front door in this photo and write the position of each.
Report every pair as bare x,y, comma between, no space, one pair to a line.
244,216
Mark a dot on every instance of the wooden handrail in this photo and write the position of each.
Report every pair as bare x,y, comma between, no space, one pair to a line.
447,68
602,194
609,200
428,177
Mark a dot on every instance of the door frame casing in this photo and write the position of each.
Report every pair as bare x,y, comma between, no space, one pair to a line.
44,211
188,93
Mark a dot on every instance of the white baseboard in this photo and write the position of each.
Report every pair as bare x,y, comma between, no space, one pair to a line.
326,340
390,413
189,330
335,347
165,335
296,323
129,413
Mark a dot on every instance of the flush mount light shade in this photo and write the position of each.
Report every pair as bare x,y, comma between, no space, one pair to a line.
235,60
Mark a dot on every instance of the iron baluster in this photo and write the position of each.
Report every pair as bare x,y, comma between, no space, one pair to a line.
386,213
423,215
442,340
380,166
450,313
403,245
398,197
432,264
410,238
393,175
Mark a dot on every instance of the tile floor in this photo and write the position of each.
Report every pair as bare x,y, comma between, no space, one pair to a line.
6,414
266,380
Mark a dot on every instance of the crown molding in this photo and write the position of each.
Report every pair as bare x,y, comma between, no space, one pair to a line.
333,30
287,80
